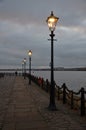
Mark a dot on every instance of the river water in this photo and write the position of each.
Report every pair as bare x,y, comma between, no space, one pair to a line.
74,79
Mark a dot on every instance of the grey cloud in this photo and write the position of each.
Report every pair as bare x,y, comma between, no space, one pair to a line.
23,26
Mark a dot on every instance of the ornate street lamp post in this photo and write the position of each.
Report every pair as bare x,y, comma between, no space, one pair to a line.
24,68
29,54
52,21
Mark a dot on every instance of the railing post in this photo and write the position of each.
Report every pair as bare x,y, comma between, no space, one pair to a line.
64,93
42,81
58,93
72,103
82,102
47,85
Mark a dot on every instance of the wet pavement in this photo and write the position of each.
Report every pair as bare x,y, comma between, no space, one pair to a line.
24,107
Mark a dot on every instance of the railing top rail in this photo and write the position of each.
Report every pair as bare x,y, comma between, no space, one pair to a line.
58,86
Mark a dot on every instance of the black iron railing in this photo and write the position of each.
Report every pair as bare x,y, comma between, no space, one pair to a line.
69,96
76,100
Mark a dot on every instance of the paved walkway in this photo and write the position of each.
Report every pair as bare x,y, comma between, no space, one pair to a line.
23,107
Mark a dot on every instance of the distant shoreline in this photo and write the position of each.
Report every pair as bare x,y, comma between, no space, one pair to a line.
47,69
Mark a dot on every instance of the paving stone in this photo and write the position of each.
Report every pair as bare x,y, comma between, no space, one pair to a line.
24,107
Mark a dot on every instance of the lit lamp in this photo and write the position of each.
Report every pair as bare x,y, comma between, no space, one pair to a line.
29,54
24,68
52,21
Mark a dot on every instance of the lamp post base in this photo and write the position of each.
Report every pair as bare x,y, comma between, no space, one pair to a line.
52,107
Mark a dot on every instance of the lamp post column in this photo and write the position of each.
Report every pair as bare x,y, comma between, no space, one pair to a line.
29,70
30,54
24,68
52,21
52,105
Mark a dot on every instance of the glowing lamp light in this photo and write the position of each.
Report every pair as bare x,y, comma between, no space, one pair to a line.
52,21
30,53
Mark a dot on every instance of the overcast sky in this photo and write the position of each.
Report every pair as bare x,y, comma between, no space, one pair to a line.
23,27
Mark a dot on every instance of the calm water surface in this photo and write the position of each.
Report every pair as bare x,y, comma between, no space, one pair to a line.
74,79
